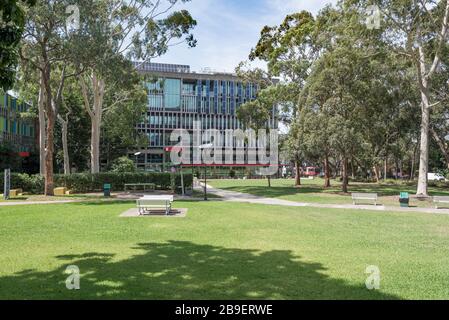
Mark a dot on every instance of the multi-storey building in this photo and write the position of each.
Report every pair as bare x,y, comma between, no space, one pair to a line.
19,133
178,98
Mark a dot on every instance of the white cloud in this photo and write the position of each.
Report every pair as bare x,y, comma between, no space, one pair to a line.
289,6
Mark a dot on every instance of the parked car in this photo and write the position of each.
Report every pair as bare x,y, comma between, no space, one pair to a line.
436,177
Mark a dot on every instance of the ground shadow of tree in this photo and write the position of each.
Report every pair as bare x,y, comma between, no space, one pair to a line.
281,191
184,270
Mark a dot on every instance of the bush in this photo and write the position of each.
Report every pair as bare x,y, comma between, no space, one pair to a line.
87,182
445,173
123,164
9,159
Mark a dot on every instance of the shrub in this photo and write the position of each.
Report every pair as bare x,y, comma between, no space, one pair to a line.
123,164
87,182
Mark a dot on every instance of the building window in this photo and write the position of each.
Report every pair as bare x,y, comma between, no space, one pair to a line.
172,93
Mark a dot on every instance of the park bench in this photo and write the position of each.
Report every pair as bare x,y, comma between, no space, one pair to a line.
439,199
145,186
359,197
156,203
15,192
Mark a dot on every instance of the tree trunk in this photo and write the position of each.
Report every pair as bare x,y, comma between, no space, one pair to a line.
385,168
49,183
65,148
49,140
95,144
65,145
41,110
98,86
442,145
424,77
327,176
352,168
269,181
412,170
297,173
345,175
424,150
96,113
376,173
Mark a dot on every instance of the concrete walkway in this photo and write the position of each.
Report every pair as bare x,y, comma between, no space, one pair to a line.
124,198
233,196
21,203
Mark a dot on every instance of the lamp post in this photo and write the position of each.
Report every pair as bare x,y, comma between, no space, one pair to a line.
136,155
203,147
205,183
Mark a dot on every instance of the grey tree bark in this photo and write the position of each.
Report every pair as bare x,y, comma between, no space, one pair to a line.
65,146
95,112
442,145
41,111
424,75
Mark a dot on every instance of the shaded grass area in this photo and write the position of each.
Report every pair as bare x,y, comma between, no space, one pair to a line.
221,251
54,198
98,197
312,191
12,199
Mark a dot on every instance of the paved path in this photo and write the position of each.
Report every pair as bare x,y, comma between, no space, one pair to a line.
126,198
233,196
21,203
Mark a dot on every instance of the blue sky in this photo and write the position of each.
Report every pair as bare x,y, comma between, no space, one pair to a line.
228,29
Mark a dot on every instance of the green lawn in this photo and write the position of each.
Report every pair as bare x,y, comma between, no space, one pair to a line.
312,191
221,251
89,196
33,197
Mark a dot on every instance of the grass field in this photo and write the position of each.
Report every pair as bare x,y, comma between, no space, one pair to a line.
78,197
221,251
33,197
312,191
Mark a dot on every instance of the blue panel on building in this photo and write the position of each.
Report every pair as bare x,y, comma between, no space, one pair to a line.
216,96
199,89
207,96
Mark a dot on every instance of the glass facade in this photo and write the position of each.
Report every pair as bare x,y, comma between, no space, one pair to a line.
172,93
177,101
20,133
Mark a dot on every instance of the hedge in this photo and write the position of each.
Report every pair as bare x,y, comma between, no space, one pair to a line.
87,182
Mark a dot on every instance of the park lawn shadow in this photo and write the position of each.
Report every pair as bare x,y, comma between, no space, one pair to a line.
13,199
104,202
184,270
383,190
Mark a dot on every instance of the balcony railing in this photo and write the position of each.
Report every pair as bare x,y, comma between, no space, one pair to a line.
17,140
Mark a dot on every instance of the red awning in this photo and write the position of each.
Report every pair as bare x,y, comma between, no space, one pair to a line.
170,149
